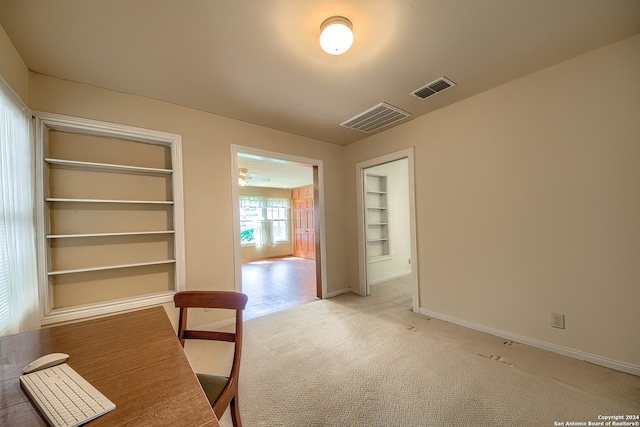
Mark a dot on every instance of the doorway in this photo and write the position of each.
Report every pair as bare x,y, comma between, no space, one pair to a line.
267,183
386,223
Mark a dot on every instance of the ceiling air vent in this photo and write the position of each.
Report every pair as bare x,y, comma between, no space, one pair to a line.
433,88
375,118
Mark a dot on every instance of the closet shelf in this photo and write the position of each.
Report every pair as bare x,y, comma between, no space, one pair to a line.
134,202
377,217
73,164
110,267
128,233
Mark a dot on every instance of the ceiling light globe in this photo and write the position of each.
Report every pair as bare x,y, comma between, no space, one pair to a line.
336,36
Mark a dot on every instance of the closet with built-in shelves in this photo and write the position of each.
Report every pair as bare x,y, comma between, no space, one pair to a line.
377,217
110,217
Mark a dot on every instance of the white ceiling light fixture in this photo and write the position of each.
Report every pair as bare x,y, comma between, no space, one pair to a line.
336,35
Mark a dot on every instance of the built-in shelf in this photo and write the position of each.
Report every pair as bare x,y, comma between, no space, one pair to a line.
111,267
109,200
73,164
377,217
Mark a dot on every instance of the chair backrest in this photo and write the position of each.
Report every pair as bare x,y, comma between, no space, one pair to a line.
209,299
212,299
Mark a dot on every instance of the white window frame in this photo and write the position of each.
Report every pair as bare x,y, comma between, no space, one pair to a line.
264,203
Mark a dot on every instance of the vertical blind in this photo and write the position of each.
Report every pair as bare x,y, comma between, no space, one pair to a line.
19,309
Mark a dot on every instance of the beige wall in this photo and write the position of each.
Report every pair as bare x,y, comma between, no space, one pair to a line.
527,195
281,249
528,202
12,67
206,151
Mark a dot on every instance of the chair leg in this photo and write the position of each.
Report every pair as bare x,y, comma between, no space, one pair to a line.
235,412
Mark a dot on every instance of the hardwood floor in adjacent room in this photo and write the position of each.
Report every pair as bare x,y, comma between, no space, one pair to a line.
277,284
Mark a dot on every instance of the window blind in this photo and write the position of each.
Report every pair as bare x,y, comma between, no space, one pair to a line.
18,267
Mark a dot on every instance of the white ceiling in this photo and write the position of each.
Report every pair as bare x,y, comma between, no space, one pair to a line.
274,173
259,61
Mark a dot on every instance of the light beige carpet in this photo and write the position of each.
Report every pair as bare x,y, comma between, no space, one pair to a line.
353,361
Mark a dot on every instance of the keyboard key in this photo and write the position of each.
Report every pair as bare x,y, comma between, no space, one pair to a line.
64,397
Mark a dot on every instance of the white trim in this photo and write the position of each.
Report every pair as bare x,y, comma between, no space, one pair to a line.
84,126
235,194
554,348
13,95
339,292
363,288
107,307
386,279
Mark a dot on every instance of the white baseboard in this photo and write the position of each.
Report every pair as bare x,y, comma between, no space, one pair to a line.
392,277
565,351
336,293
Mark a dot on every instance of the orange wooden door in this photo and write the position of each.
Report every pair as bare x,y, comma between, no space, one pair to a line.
304,229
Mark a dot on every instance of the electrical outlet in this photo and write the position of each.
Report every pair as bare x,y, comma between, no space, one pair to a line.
557,320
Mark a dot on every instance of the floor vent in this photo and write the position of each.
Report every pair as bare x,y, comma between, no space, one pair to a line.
432,88
375,118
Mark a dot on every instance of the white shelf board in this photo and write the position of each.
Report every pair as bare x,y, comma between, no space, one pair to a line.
110,267
129,233
133,202
74,164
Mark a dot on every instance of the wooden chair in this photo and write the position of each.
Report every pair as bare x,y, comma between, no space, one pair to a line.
221,391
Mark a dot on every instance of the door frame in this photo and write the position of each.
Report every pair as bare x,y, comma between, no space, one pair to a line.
363,284
318,184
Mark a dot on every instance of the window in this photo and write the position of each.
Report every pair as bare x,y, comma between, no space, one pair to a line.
264,221
19,309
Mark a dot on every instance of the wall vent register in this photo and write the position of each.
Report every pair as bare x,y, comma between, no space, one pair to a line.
375,118
432,88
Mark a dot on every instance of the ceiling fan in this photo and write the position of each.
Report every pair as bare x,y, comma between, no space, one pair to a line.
245,178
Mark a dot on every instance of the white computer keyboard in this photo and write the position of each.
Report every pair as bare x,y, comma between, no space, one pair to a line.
64,397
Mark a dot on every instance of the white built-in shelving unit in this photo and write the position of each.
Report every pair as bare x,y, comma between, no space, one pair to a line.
377,217
110,217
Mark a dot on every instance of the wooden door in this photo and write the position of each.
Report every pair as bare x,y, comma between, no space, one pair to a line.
304,226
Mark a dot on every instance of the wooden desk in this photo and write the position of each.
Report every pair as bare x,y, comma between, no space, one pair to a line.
135,359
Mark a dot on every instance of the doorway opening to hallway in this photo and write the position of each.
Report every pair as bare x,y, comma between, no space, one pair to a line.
278,227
